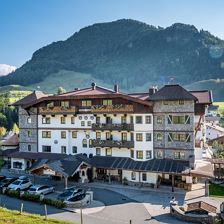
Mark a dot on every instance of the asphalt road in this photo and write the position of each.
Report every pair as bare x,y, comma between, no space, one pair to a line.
118,210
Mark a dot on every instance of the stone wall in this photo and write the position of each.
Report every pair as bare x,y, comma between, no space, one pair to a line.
26,127
179,214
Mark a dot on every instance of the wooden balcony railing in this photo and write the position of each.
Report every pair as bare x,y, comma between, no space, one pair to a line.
113,143
116,108
57,110
113,127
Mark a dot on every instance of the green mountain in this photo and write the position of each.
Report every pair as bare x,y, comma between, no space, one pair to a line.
130,53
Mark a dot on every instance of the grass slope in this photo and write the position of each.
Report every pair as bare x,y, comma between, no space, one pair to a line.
216,190
70,80
14,217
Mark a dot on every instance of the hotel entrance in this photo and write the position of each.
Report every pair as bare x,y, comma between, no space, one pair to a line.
106,175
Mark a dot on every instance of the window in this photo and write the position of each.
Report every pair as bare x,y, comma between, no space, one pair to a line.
74,134
179,137
98,135
46,120
46,148
159,120
133,175
179,155
159,154
74,149
148,137
132,136
123,119
63,149
131,120
98,151
108,136
159,136
132,153
148,154
50,104
90,143
29,148
138,119
72,120
17,165
139,154
63,134
108,152
98,120
29,120
63,120
144,177
124,136
86,103
181,102
107,102
148,119
89,123
82,123
139,137
165,102
179,119
84,143
29,133
46,134
65,104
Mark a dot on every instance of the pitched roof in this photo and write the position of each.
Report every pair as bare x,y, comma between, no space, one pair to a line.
154,165
172,92
66,166
11,141
35,95
98,90
203,96
142,96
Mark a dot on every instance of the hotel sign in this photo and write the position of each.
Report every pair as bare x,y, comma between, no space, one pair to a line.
117,108
49,172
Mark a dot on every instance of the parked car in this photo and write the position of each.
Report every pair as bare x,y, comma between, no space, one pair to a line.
75,198
6,182
2,177
20,184
23,178
40,189
69,193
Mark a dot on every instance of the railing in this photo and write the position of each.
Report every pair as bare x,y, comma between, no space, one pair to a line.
116,108
113,143
115,127
57,110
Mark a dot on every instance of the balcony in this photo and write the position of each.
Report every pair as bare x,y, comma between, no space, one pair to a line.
113,127
57,110
117,108
113,143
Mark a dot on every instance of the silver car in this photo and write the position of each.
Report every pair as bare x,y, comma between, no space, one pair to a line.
40,190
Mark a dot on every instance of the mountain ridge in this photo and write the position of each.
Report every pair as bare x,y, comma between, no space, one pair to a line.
130,53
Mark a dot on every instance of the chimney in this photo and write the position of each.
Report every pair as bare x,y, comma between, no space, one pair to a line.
93,85
116,88
152,90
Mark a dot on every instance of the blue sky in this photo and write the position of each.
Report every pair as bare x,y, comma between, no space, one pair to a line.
27,25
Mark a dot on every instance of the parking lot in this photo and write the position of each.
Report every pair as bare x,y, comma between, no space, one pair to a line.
118,208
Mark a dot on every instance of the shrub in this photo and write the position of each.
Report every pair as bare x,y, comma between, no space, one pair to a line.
125,181
55,203
12,193
30,197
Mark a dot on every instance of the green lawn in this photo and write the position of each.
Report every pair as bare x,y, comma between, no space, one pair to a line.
221,106
216,190
14,217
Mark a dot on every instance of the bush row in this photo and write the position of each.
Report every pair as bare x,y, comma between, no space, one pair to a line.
35,198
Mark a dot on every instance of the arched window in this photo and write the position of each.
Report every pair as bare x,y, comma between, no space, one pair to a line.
84,143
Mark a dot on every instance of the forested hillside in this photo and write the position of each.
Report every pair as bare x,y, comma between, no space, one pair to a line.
130,53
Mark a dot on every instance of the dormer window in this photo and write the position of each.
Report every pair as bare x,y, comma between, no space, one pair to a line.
65,104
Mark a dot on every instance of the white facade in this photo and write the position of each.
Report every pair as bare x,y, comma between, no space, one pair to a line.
142,135
213,131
